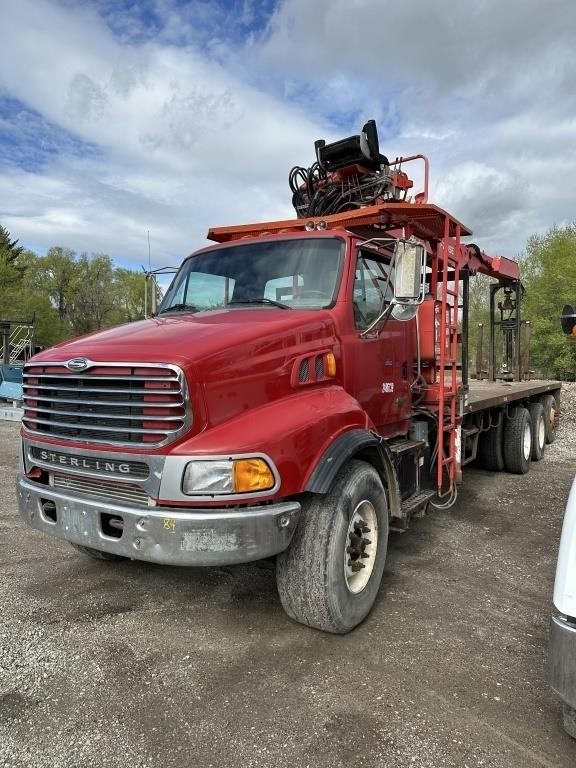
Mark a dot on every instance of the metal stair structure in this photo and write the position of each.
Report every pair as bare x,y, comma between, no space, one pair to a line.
21,340
445,285
17,339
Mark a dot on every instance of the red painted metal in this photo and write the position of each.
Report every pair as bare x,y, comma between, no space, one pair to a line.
421,197
494,266
427,330
425,220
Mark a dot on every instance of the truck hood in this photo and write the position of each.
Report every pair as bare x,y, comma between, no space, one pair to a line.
184,339
234,359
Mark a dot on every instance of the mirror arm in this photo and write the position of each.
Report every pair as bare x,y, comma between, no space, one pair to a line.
382,316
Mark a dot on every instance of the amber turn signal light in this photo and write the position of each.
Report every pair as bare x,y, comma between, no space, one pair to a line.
252,475
330,362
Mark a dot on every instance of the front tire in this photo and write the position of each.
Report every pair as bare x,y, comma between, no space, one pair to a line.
330,575
518,441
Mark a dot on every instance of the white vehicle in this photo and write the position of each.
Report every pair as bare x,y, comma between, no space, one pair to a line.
563,630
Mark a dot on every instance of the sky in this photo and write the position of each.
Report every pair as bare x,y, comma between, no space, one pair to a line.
120,118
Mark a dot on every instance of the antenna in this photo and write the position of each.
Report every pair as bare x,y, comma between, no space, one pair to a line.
150,282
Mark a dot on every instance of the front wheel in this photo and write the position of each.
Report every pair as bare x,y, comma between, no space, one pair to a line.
330,575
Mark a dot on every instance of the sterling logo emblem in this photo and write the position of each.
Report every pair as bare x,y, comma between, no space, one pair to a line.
77,364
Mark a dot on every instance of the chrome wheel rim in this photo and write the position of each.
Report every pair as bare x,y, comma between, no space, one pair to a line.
360,547
527,441
541,433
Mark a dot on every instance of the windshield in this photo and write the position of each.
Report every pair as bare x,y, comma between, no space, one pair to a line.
282,273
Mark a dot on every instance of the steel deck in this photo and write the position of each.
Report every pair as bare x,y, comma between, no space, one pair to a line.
487,394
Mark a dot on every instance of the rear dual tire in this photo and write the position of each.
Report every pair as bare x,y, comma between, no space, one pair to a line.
490,449
517,446
550,417
509,446
538,425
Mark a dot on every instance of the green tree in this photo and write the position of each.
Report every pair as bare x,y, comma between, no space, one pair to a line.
11,271
129,288
479,314
549,274
93,296
32,302
58,275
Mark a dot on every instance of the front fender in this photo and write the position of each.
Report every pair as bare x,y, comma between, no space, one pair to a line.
370,447
294,432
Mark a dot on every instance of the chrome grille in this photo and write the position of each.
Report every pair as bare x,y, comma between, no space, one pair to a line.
139,404
127,493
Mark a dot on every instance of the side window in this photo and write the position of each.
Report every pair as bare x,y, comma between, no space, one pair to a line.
207,291
372,289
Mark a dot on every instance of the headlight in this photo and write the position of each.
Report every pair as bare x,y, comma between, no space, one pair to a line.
216,477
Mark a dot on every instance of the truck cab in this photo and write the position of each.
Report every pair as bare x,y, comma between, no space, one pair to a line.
196,436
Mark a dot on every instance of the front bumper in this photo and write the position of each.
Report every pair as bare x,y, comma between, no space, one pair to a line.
562,660
172,536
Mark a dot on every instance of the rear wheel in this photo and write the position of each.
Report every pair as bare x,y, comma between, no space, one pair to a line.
550,417
96,554
490,449
538,426
330,575
518,441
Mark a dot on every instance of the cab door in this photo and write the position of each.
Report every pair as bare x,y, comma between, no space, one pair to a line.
378,365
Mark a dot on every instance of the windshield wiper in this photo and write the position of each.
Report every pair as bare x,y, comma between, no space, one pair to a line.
179,308
262,300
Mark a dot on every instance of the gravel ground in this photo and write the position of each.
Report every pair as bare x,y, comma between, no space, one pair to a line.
148,666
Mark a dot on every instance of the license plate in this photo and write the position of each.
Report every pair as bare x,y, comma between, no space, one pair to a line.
79,523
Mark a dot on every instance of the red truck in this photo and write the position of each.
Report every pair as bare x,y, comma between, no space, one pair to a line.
302,390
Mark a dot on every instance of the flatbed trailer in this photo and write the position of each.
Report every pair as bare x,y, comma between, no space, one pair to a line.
483,395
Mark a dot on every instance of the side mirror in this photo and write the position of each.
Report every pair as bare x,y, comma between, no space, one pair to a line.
409,272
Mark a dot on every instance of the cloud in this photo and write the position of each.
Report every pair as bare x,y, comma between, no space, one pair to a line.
485,89
125,116
182,143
